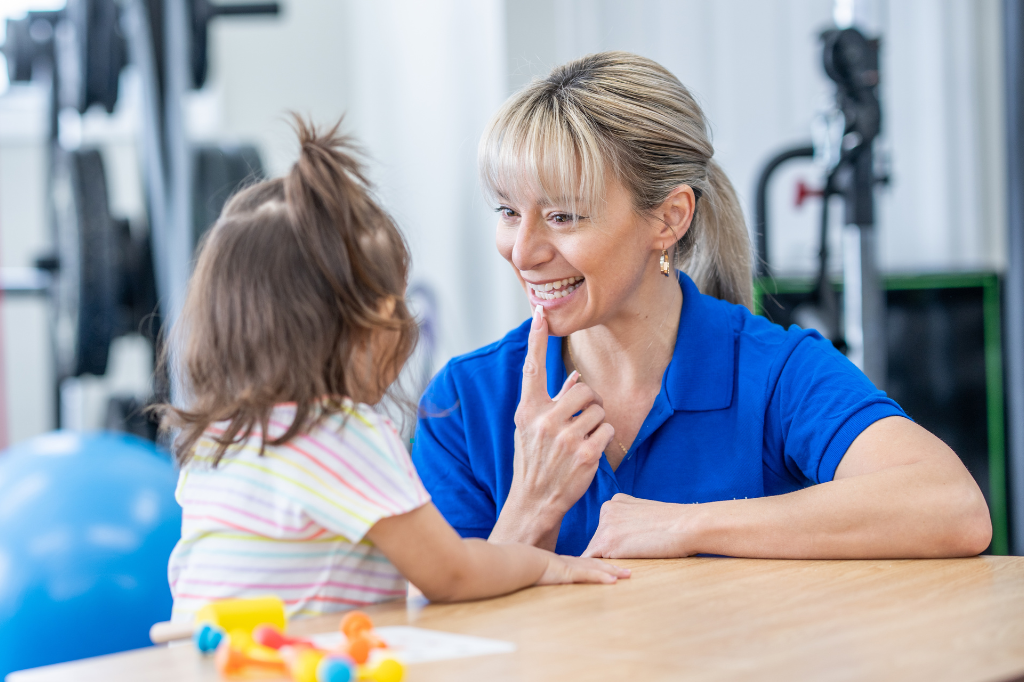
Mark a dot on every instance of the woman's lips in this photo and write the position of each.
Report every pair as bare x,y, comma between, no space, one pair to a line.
550,291
553,293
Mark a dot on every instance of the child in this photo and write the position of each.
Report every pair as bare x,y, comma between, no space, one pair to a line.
291,484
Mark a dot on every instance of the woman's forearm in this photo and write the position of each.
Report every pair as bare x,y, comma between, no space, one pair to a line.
899,492
910,511
529,523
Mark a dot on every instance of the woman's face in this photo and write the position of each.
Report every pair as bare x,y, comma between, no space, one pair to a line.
583,272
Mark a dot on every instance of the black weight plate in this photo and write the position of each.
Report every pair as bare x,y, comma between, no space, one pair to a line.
85,310
19,50
219,172
106,54
136,293
92,55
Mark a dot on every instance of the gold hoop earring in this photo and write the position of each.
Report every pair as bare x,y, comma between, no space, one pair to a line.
665,267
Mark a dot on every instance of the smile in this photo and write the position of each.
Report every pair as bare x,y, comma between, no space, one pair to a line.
558,289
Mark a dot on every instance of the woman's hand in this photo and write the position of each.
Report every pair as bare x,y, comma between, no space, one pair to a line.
634,528
562,570
556,453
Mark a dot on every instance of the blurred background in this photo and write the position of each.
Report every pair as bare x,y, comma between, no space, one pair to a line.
125,125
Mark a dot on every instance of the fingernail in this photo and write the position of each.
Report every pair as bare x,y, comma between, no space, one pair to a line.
538,314
573,375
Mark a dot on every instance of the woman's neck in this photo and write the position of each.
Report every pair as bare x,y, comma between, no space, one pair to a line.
631,350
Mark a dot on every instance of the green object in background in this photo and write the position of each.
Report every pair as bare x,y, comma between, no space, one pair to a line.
785,293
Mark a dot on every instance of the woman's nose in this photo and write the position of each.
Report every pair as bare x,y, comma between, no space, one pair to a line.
531,248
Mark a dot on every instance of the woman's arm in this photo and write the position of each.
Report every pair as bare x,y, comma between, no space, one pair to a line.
428,552
899,492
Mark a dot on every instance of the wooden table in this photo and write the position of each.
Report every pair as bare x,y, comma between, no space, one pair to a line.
702,619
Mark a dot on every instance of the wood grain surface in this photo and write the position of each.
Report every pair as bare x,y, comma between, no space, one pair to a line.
701,619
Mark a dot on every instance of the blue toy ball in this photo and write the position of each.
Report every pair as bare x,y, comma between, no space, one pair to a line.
87,523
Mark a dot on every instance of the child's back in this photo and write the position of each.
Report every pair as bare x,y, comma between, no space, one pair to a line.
294,322
292,521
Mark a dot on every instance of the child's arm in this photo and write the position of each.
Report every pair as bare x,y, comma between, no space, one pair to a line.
445,567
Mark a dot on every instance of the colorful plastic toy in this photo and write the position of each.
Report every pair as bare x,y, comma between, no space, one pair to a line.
213,620
336,668
360,637
269,635
207,638
248,649
243,614
238,656
387,670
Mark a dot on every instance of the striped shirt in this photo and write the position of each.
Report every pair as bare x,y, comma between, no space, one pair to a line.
293,521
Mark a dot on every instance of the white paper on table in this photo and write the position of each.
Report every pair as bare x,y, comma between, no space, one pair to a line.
418,645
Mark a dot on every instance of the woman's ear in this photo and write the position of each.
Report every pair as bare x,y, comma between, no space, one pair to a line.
675,215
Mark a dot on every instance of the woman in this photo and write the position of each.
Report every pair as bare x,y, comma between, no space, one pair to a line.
661,418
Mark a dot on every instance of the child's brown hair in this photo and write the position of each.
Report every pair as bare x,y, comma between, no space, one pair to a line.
293,286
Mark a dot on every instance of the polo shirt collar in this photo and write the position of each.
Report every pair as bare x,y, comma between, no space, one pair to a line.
700,375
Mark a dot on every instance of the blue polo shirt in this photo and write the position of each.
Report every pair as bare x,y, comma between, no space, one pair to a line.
746,409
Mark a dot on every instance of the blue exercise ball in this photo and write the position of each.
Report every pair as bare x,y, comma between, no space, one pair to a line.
87,524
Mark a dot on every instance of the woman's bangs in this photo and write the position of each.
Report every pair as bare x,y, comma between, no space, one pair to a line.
531,153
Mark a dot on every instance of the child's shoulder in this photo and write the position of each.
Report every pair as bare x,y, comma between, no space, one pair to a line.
356,425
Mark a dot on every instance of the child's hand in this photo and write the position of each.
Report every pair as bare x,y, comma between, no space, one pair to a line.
572,569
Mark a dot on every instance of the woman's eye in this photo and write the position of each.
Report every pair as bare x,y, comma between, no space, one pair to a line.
505,212
563,218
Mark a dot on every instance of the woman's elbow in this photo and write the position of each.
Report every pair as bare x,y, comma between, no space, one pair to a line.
970,531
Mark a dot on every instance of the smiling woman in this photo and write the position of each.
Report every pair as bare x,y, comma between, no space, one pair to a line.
661,418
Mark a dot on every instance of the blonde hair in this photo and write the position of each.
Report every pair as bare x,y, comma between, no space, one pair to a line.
619,112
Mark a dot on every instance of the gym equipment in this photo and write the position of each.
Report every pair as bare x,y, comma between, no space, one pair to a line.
1013,45
220,171
851,61
87,522
945,365
105,276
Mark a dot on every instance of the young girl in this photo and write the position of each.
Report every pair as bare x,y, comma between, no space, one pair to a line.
291,484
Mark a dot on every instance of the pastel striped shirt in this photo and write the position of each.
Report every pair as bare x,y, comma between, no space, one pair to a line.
292,522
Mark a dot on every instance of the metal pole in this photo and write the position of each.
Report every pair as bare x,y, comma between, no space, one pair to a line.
863,297
1013,15
177,48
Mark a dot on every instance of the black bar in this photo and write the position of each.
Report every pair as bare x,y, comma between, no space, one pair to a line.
761,267
1013,15
245,8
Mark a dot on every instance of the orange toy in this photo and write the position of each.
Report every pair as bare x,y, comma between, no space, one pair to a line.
238,656
358,630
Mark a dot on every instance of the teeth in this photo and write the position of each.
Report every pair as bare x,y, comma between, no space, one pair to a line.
558,289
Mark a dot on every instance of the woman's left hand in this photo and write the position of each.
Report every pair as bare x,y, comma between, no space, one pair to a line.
643,529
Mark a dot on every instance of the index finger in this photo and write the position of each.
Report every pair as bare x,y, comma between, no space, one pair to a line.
535,384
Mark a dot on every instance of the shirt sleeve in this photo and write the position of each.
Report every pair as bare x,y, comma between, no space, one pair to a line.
441,455
821,402
351,471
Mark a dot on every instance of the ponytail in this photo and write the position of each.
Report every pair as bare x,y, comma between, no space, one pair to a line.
715,252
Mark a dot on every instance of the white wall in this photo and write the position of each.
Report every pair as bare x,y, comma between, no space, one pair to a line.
418,81
755,67
26,403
